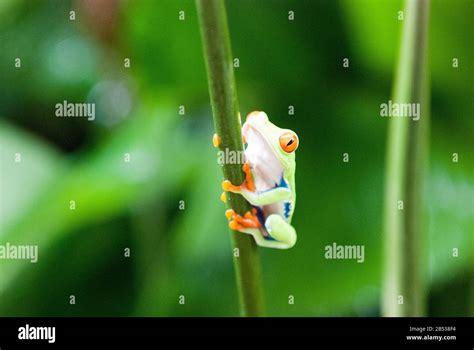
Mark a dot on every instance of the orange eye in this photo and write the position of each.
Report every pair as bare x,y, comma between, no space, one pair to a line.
288,141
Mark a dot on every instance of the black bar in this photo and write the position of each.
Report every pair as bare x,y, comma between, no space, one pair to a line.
360,331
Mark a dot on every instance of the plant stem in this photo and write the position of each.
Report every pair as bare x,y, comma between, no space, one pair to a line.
403,285
220,74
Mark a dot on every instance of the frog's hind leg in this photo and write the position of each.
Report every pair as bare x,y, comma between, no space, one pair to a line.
256,233
283,234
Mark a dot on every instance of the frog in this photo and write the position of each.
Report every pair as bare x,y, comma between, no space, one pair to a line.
269,185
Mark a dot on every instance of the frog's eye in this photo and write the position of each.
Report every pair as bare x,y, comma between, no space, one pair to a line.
288,141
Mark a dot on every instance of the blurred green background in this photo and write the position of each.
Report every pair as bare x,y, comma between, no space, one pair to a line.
138,205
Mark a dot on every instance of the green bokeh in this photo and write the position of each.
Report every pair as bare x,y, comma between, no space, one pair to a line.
137,205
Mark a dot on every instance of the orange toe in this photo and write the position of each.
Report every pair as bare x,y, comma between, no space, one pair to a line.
228,186
249,183
247,221
234,225
223,197
216,140
229,213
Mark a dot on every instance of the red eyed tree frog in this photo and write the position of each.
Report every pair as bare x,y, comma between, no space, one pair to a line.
269,184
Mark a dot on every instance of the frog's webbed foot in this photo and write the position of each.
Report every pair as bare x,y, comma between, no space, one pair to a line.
247,185
242,223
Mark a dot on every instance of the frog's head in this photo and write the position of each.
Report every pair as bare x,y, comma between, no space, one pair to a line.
277,145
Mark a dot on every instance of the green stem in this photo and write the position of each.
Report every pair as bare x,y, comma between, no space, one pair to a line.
220,74
403,289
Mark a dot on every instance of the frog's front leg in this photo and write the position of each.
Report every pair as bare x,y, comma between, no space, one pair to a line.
259,198
248,184
256,198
